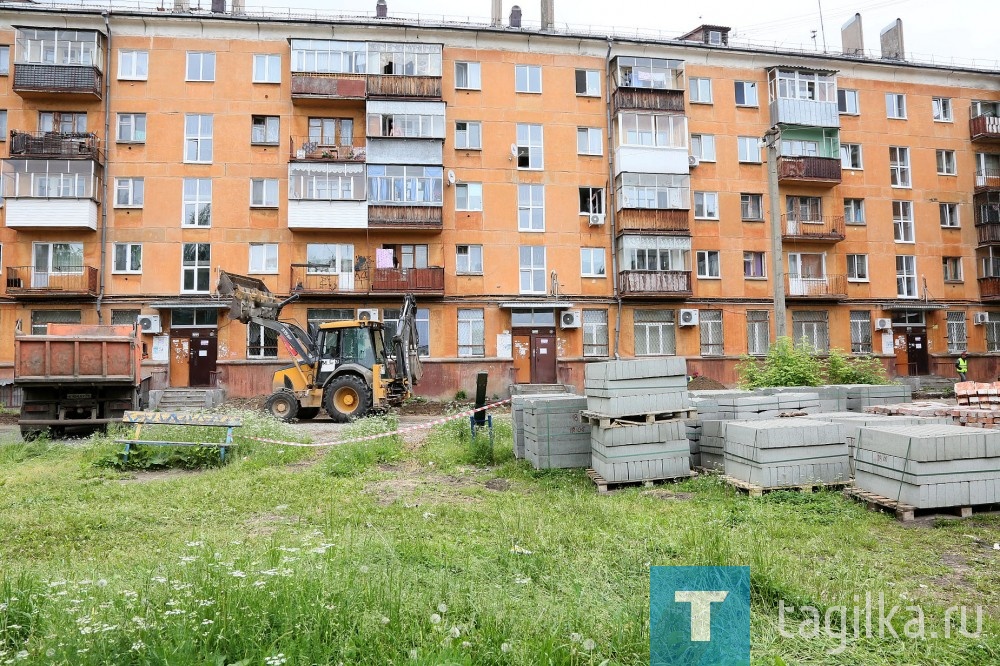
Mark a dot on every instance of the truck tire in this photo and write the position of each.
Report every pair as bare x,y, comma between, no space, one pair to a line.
306,413
347,397
282,405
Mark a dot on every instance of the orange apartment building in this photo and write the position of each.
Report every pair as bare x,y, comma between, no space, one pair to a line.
551,198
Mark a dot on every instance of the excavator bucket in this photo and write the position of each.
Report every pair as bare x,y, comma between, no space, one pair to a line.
249,297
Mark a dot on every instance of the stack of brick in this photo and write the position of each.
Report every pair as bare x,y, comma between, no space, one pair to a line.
930,409
555,435
976,418
639,411
517,401
860,396
775,453
929,466
977,394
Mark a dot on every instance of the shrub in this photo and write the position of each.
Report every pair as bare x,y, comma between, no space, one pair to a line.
789,364
844,369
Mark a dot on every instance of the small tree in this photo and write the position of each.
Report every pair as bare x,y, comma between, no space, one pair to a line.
786,364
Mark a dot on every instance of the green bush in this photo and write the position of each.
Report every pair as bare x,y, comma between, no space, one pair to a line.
844,369
790,364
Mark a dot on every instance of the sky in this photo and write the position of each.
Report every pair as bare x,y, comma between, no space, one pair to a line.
956,32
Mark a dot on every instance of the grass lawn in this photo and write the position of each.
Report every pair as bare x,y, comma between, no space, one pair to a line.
389,553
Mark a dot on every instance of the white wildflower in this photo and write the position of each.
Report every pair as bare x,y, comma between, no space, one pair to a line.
159,579
575,637
187,559
523,581
207,622
363,568
138,646
455,632
237,574
589,644
194,544
442,608
276,660
505,647
435,618
413,653
466,645
102,583
385,620
23,654
518,550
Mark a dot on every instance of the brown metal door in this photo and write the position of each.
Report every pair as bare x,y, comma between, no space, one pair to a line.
204,353
180,350
917,361
543,358
521,350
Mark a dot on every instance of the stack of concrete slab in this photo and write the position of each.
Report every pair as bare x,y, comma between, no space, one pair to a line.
860,396
929,466
517,401
618,389
922,408
775,453
712,447
555,434
641,452
830,398
756,406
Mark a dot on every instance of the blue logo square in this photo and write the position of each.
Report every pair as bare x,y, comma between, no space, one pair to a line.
699,616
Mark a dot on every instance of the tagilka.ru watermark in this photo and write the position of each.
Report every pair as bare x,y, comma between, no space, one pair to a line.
874,618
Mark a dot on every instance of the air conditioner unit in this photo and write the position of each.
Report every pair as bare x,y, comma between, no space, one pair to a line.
689,318
367,314
149,323
883,324
596,219
693,160
570,319
980,318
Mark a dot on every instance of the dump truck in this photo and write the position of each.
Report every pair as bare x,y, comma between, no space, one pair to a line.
345,368
78,376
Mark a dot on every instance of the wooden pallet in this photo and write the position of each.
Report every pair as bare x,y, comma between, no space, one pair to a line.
754,490
905,512
604,421
604,486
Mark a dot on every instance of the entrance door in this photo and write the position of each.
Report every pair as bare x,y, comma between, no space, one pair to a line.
204,352
521,350
916,352
543,358
180,351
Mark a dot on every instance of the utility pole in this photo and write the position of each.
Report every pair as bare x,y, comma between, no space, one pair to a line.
771,139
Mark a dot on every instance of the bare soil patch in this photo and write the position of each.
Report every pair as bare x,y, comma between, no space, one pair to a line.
415,491
702,383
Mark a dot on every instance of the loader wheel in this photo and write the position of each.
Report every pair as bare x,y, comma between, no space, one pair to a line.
306,413
282,405
347,397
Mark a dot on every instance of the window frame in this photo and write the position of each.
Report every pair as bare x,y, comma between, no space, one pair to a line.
860,322
596,332
590,191
664,325
133,76
703,258
952,215
197,202
195,143
749,200
201,66
469,188
857,217
257,338
468,133
587,92
469,317
756,94
956,332
902,220
751,143
939,106
132,138
699,81
711,342
899,166
132,180
700,154
470,67
750,261
267,67
131,250
530,207
528,72
858,265
470,252
902,274
267,122
895,106
197,268
705,196
848,95
532,271
265,201
848,151
593,252
587,134
263,269
755,320
953,270
946,167
532,148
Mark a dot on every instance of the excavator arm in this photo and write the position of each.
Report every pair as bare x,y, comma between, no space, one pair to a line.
251,301
406,344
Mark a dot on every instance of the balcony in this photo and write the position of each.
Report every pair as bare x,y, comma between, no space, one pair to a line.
647,99
35,79
55,213
413,218
984,128
68,282
822,229
313,86
310,280
654,221
826,288
408,87
658,284
302,149
989,289
809,170
987,179
988,233
56,145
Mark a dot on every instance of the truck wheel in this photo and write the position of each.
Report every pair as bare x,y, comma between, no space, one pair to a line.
282,405
347,397
306,413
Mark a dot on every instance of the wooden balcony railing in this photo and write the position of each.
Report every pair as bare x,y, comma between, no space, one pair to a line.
822,229
984,128
648,99
67,281
662,284
428,218
392,85
817,170
304,149
828,287
62,145
655,221
311,280
328,86
989,288
403,280
988,233
34,78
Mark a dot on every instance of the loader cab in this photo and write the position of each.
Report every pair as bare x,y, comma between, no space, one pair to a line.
343,343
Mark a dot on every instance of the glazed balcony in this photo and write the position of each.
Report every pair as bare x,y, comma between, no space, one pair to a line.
985,128
826,288
989,289
67,282
406,87
304,149
56,145
987,180
809,170
314,280
654,221
308,86
37,79
413,218
820,229
658,284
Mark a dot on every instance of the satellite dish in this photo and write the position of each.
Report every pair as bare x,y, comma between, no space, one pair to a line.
513,150
451,176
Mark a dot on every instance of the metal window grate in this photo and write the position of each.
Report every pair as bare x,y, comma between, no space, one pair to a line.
957,334
654,332
595,332
861,332
813,327
758,332
710,325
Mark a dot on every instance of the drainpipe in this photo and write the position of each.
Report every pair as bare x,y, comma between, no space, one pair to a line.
107,154
611,207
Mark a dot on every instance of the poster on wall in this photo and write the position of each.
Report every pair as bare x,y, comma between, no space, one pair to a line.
504,346
887,347
161,345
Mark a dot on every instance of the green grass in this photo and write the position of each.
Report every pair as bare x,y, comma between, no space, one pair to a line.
376,552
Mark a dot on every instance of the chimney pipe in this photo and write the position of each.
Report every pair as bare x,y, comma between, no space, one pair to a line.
218,6
515,17
237,6
381,9
497,13
548,14
180,5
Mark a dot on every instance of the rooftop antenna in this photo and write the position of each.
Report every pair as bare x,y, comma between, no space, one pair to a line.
813,38
822,29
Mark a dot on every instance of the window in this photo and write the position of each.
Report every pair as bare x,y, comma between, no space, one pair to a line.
847,102
531,208
654,333
656,191
527,79
4,60
706,205
200,66
595,332
469,196
323,56
703,147
261,342
902,221
393,184
128,192
66,122
802,85
198,138
857,267
40,319
895,105
752,207
591,201
946,163
899,166
390,317
949,214
263,257
263,192
336,131
469,259
806,271
409,125
266,68
758,332
799,148
748,149
941,109
906,276
133,65
952,269
194,317
813,328
529,147
55,259
327,258
710,326
471,333
128,258
850,156
588,141
124,317
265,129
957,337
854,211
468,135
654,253
467,76
326,182
588,82
409,256
992,332
592,262
131,128
708,264
753,265
3,125
861,332
532,266
662,130
746,93
196,264
701,91
197,202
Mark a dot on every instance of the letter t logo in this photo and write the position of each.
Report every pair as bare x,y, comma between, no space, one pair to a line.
701,611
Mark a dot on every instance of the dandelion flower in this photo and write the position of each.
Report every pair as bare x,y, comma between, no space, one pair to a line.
363,568
505,647
443,608
435,618
575,637
589,644
455,632
466,645
413,654
385,620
